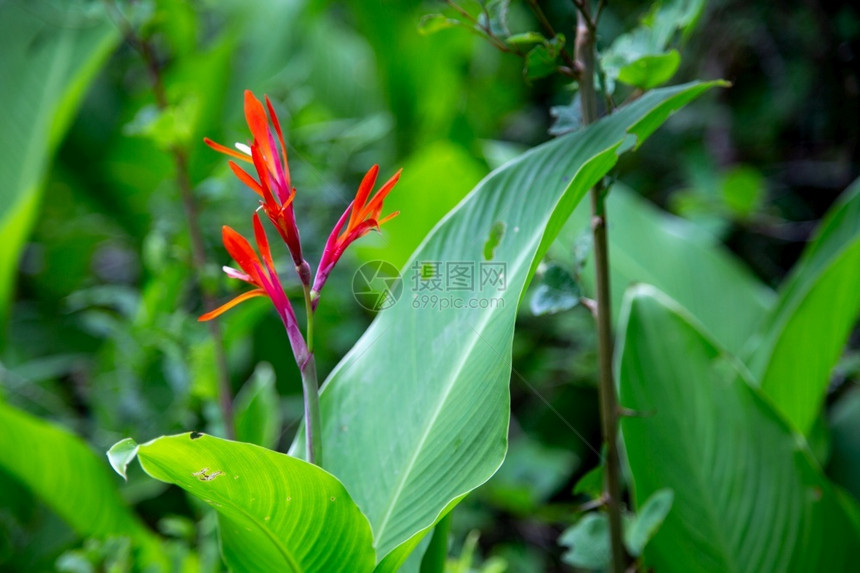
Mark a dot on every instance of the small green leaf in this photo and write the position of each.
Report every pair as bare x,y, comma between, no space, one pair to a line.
648,72
257,413
591,484
557,291
589,539
648,520
495,17
587,542
526,39
432,23
668,17
541,60
120,455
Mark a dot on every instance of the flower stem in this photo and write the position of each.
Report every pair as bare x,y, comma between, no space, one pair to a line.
609,411
309,310
310,390
313,426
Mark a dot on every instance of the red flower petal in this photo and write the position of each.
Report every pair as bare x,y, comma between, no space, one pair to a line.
362,194
226,150
233,302
241,251
246,178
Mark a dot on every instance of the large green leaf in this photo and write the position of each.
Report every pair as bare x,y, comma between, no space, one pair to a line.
276,512
67,476
687,263
416,415
748,495
50,53
804,335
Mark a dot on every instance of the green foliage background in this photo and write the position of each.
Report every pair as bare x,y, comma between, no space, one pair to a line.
99,308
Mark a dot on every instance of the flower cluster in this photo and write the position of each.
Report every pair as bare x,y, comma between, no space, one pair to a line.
267,153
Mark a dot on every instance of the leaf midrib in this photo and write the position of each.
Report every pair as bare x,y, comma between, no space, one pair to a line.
460,364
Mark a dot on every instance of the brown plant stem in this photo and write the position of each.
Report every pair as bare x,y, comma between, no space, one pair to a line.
609,412
189,205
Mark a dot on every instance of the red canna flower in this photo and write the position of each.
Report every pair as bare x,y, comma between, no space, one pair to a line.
273,172
262,275
360,217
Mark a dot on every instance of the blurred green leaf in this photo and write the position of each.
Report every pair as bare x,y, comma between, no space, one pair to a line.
276,513
495,17
526,38
112,555
640,58
587,542
670,16
432,23
798,345
541,60
748,494
451,424
62,471
844,466
743,190
531,473
556,291
566,118
433,559
649,246
647,521
469,562
178,22
51,53
257,413
168,128
121,454
591,484
650,71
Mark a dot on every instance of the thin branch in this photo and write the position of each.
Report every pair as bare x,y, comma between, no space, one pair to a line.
593,504
183,182
485,31
600,6
583,13
548,27
609,411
